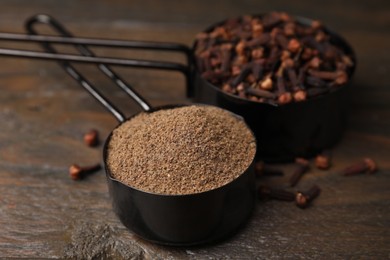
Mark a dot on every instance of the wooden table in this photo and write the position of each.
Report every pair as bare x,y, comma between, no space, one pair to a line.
44,113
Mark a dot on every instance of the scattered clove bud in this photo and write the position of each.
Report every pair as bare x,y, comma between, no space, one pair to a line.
261,169
77,173
301,168
266,192
322,160
367,165
303,199
91,138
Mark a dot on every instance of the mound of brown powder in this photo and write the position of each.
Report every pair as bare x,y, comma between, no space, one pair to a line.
183,150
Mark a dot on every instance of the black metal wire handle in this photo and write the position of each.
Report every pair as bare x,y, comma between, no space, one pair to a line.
86,52
89,57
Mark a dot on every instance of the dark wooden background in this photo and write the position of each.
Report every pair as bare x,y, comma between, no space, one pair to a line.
44,113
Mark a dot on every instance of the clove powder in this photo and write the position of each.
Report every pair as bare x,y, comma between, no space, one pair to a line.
179,151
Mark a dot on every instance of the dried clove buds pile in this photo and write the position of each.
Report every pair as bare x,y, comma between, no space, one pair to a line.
303,199
272,58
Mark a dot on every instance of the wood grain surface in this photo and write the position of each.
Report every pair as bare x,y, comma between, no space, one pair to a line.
44,113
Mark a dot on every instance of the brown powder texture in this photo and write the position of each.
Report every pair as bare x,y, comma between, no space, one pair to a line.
180,151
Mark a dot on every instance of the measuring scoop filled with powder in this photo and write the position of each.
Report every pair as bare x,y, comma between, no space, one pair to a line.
182,175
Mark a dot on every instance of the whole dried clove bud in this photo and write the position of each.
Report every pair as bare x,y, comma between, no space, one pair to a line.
300,95
287,63
236,70
258,41
240,60
302,166
284,96
213,76
260,93
257,68
320,36
314,63
261,169
293,45
226,56
91,138
240,48
303,199
77,173
339,77
315,82
315,24
227,88
314,92
216,61
266,192
243,74
267,83
322,160
282,40
285,55
342,78
257,53
347,60
329,52
307,53
289,29
271,19
251,78
367,165
257,28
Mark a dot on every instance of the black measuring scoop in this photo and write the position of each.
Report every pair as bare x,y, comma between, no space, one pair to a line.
189,219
